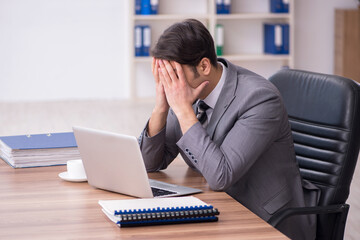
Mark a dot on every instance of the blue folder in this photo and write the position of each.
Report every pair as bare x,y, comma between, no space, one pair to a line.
279,6
223,6
145,7
146,40
138,39
273,43
137,6
40,141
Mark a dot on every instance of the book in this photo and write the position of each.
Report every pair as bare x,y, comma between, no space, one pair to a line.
39,149
157,211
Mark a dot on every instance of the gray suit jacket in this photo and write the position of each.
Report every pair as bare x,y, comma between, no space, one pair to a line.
246,150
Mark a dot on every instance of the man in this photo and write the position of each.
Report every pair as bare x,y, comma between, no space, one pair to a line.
243,145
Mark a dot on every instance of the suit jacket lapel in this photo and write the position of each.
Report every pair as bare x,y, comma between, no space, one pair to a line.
227,95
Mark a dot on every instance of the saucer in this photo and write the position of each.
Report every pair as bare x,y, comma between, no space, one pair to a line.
65,176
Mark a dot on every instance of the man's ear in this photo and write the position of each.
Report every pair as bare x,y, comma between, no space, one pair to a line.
204,66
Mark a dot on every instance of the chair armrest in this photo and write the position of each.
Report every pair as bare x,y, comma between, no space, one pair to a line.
285,213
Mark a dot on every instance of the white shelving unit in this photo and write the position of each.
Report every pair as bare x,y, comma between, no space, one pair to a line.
243,36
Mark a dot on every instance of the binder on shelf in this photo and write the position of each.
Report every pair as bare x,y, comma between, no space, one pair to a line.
286,38
154,5
138,7
138,41
276,38
219,6
155,211
146,40
227,7
219,39
142,40
145,7
39,149
223,6
279,6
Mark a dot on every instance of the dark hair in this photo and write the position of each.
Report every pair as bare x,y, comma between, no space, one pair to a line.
187,43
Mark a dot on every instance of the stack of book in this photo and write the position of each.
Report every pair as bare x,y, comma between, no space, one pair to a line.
38,150
157,211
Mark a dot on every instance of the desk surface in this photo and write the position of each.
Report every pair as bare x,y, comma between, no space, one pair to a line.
35,203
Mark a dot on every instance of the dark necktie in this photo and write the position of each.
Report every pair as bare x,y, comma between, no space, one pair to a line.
201,112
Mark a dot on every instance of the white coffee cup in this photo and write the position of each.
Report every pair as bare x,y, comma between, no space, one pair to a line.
75,169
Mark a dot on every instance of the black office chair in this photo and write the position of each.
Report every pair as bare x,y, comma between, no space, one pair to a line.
324,114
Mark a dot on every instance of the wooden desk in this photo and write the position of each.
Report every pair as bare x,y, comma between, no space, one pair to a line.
36,204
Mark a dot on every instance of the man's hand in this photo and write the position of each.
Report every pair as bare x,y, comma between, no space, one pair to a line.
161,103
179,94
158,117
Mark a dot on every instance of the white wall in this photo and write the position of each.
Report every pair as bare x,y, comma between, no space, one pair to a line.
77,49
314,33
59,49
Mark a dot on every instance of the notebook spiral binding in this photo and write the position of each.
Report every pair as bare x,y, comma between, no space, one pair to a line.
154,210
155,218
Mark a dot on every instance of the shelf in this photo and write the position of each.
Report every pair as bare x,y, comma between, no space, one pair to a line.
160,17
243,36
234,16
238,57
251,16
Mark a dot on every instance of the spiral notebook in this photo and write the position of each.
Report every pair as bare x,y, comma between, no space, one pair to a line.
155,211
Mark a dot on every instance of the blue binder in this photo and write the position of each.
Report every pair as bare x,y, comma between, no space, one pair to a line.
219,6
154,5
223,6
286,37
137,6
138,40
145,7
276,38
40,141
146,40
279,6
227,6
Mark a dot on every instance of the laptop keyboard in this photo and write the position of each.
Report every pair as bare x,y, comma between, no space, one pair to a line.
157,192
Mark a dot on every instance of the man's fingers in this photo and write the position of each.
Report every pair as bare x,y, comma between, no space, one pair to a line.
162,79
180,72
170,70
153,64
164,72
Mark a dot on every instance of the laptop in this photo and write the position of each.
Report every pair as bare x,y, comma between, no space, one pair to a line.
114,162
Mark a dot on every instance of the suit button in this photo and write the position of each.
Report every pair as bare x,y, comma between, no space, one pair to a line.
186,150
195,161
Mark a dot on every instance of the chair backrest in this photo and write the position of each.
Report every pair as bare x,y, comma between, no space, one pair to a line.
324,114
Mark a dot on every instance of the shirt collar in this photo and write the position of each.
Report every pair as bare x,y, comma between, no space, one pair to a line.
212,98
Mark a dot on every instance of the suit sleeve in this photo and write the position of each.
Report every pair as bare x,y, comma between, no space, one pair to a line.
160,150
253,131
